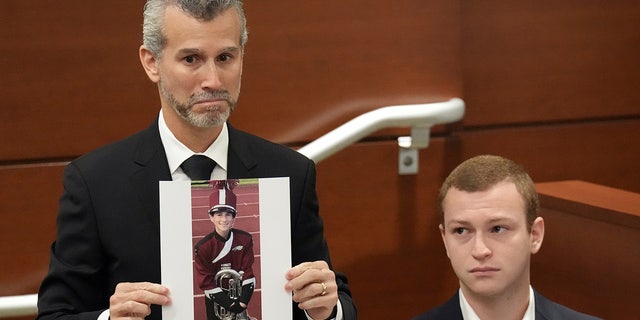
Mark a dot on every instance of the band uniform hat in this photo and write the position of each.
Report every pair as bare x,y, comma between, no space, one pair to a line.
222,198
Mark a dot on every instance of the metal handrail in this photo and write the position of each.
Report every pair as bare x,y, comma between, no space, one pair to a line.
17,306
415,115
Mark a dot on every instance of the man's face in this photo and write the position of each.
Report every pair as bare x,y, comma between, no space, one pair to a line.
487,241
223,222
200,69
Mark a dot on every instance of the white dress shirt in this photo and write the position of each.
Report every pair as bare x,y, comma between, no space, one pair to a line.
469,314
177,152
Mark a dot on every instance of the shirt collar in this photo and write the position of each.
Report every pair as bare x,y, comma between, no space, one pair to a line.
530,314
465,307
177,152
469,314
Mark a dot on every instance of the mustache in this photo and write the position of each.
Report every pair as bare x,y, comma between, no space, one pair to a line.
210,95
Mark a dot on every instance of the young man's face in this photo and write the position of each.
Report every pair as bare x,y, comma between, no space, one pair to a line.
222,221
200,69
487,241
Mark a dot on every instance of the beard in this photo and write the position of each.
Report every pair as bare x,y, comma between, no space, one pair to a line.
212,118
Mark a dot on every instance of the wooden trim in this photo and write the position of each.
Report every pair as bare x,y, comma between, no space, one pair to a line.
592,201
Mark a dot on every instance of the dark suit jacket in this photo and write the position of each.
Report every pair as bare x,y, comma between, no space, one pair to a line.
545,310
108,222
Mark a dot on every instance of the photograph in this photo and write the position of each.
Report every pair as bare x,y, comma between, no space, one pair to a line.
212,257
226,234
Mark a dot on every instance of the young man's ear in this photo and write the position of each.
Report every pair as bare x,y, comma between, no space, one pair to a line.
537,234
442,234
149,63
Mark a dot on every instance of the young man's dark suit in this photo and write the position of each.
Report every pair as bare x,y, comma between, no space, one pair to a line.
545,310
108,226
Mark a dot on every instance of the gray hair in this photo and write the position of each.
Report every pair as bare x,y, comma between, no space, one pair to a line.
153,36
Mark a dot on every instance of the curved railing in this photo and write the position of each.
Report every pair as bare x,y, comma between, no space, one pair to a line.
420,117
17,306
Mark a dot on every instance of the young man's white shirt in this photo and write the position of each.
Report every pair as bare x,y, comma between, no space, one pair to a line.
469,314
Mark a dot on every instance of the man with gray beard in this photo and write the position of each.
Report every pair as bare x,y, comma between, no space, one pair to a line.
105,261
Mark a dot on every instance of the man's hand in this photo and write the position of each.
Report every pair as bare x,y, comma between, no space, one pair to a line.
314,288
133,300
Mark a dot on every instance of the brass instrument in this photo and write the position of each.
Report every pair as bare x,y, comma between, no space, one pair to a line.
230,281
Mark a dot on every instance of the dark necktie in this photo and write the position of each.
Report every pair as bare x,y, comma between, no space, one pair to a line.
198,167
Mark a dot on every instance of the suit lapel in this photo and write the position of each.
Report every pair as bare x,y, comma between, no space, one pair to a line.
240,159
542,307
151,161
452,307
